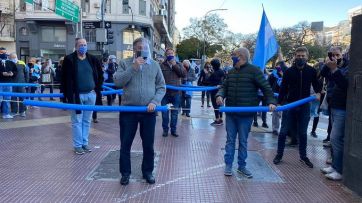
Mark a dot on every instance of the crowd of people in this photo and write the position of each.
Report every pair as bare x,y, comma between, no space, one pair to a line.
144,81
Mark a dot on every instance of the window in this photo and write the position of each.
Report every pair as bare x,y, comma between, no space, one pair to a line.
125,7
108,6
142,7
85,6
24,54
90,35
23,31
53,34
129,36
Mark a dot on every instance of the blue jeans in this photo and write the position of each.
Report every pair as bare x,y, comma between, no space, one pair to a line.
186,103
81,122
175,101
337,138
237,124
298,116
6,104
128,123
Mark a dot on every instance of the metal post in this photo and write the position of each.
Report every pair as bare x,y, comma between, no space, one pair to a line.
103,24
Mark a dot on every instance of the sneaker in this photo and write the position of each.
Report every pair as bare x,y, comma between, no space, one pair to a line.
78,150
255,124
8,116
327,170
326,140
275,132
86,149
217,123
307,162
208,106
14,114
164,134
334,176
329,161
245,172
202,106
95,121
23,114
313,134
277,159
187,115
264,125
228,170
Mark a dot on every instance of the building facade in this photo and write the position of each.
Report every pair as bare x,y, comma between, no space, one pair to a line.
42,33
7,20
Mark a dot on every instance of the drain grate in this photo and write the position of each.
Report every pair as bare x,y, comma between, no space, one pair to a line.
108,169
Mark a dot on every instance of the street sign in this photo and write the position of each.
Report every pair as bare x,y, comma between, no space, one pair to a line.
91,25
67,9
29,1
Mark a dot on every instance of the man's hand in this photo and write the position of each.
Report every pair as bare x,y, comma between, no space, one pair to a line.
272,107
318,96
219,101
5,74
137,63
151,107
173,62
331,64
10,73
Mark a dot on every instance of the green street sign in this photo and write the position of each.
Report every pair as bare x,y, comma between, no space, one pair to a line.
67,9
29,1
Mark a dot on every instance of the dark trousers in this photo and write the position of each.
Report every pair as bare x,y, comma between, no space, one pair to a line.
128,123
15,106
98,102
207,93
185,103
299,116
263,114
42,88
216,107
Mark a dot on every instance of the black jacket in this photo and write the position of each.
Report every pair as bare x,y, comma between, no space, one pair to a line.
69,85
337,86
296,84
6,67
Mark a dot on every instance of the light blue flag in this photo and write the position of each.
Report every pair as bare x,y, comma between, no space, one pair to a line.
266,44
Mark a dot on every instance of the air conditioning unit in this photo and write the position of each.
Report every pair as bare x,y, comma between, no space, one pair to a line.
96,5
84,14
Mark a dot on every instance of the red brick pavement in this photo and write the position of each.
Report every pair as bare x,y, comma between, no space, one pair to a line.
37,164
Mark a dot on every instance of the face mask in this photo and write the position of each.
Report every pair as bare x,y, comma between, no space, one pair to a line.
83,49
3,56
113,60
339,61
14,60
169,58
235,59
300,61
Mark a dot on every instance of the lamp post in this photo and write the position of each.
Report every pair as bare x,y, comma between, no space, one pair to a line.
203,27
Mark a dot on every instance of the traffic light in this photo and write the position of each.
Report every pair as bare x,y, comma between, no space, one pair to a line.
109,36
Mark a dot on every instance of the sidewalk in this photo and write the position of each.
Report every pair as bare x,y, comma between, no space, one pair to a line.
37,164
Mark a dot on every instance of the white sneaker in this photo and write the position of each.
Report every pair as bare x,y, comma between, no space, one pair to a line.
23,114
334,176
14,114
8,116
327,170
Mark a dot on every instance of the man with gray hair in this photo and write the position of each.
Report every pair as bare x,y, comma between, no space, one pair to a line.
82,79
143,85
240,88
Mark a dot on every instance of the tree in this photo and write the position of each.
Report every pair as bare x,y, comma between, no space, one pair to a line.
209,30
191,48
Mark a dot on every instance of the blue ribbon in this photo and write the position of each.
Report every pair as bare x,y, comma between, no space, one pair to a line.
171,87
32,95
265,108
20,84
80,107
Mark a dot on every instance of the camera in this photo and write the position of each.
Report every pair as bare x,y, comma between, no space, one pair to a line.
142,54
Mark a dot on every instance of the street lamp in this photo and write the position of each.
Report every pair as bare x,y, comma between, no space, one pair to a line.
203,27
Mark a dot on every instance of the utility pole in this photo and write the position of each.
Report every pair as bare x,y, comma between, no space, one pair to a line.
102,25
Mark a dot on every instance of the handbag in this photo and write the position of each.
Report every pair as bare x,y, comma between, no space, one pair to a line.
46,78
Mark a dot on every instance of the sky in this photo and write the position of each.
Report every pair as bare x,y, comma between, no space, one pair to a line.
243,16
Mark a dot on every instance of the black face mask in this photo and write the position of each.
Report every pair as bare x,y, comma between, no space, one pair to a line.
300,61
339,61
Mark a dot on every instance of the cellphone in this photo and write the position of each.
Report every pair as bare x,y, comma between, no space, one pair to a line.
142,54
330,56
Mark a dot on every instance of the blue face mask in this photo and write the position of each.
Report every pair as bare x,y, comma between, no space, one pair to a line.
235,60
3,56
169,58
14,60
83,49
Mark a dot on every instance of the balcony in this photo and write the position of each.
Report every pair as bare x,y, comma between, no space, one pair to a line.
160,24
